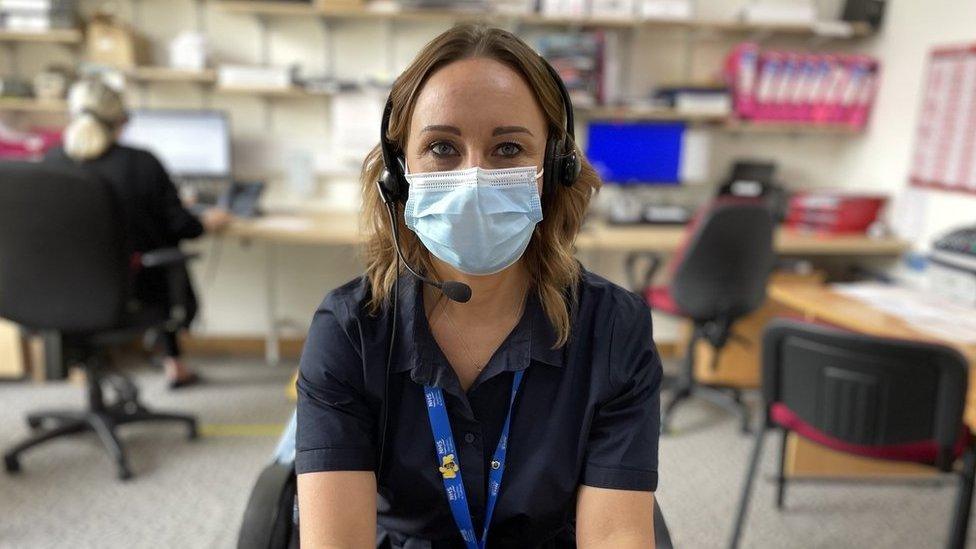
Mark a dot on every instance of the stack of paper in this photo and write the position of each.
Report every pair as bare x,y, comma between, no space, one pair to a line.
37,15
925,312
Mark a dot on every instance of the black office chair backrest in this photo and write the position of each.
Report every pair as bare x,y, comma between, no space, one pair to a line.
63,263
866,390
723,270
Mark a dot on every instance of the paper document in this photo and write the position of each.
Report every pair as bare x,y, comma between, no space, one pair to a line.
927,313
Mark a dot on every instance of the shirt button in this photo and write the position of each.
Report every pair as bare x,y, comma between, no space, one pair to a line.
469,438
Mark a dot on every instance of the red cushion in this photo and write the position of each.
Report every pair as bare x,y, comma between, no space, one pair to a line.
659,298
923,451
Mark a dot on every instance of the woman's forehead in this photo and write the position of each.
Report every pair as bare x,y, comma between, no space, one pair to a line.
477,92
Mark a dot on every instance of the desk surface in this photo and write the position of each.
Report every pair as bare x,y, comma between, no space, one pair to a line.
820,302
337,229
343,229
667,238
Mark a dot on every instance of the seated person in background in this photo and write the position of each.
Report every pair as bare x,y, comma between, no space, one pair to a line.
155,217
519,404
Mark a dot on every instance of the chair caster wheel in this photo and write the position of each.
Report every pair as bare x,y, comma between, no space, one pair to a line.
192,432
11,464
34,423
124,474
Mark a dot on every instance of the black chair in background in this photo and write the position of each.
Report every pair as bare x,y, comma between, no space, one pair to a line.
64,266
757,179
718,276
866,396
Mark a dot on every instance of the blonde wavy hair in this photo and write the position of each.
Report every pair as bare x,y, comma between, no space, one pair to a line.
554,272
97,112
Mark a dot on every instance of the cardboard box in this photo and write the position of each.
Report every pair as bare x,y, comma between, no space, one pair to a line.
13,362
113,43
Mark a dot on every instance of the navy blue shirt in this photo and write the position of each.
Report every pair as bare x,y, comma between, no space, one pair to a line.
587,413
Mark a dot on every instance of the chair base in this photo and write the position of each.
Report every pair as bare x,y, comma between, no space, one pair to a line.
103,422
958,529
729,400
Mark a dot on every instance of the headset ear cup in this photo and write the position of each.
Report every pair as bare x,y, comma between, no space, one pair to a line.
571,170
393,184
389,187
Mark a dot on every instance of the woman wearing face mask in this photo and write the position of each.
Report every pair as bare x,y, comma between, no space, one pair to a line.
513,398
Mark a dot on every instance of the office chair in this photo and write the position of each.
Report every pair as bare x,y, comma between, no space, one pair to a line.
272,509
64,266
717,276
867,396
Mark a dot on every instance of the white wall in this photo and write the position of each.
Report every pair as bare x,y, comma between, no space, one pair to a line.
881,159
232,285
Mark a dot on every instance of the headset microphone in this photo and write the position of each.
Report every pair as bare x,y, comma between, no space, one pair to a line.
455,291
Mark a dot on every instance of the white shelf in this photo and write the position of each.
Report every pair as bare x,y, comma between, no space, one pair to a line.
28,104
286,93
53,36
356,11
167,74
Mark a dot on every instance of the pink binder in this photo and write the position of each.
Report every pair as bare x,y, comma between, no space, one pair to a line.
742,67
770,76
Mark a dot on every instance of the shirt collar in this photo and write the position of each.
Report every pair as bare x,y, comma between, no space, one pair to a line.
418,352
543,334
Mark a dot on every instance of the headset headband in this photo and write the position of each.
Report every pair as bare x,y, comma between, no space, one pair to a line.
564,94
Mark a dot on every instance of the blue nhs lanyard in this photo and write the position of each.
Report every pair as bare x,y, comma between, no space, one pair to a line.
450,466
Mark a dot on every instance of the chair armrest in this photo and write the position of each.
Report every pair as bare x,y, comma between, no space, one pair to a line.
164,257
173,262
640,282
662,535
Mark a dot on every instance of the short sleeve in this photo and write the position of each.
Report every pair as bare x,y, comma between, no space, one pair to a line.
336,426
622,446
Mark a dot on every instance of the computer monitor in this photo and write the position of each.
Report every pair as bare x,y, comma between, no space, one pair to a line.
628,153
190,144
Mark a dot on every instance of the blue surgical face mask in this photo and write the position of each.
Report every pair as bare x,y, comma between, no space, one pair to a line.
475,220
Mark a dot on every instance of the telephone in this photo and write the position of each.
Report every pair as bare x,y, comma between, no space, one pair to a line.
952,266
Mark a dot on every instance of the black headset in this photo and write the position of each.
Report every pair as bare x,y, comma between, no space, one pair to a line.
561,166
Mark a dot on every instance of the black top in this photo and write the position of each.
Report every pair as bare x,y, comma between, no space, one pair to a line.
155,217
585,414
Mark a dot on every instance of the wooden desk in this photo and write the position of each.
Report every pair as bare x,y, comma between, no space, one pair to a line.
338,229
343,229
598,235
821,303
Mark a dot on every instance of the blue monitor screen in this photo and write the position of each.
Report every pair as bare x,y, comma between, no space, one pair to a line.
636,153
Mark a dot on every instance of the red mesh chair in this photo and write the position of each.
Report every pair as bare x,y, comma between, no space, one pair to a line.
718,275
867,396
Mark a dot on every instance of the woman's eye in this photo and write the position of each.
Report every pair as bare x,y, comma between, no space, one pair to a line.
509,149
442,149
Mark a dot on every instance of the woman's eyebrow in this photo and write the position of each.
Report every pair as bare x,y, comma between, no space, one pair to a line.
441,128
501,130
